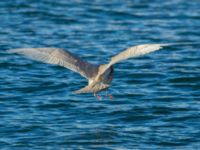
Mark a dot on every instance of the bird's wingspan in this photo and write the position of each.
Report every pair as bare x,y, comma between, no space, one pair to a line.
59,57
134,51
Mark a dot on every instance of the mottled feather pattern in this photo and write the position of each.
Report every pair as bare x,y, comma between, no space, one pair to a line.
59,57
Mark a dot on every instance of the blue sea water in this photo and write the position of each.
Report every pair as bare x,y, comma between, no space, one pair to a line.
156,101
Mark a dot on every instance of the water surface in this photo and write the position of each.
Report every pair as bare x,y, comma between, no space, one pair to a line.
156,97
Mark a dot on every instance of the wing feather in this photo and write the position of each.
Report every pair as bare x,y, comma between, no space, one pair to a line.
136,51
131,52
59,57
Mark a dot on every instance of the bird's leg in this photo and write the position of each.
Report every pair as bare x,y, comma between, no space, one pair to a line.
109,95
97,96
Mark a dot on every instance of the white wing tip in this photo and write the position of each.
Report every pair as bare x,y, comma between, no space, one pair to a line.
12,51
16,50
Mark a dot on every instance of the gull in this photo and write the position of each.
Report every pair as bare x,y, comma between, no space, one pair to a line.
99,76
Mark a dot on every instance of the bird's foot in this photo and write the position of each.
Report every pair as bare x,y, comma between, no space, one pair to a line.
109,95
100,98
97,96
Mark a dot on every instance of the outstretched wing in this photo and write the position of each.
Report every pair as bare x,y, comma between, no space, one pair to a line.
59,57
134,51
139,50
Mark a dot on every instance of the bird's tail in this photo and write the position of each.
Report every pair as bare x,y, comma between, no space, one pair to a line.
86,89
92,88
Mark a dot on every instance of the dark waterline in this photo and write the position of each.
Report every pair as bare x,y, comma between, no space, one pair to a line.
156,97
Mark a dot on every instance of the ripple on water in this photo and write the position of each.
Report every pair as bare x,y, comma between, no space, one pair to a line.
156,97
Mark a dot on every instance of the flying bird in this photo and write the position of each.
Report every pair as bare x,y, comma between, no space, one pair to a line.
99,76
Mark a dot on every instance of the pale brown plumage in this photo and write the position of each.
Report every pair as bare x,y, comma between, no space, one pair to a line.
99,76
